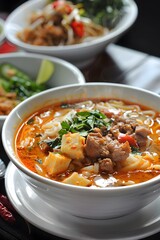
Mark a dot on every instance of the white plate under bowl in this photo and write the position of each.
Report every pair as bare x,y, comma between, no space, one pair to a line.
138,225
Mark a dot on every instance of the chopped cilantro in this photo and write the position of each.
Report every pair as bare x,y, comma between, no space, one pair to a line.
84,122
54,143
135,150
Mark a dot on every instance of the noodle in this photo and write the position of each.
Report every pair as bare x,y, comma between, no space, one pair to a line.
135,162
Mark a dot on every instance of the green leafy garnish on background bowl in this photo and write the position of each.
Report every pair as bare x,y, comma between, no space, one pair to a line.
104,12
12,79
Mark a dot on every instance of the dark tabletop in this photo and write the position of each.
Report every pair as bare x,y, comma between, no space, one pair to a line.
118,65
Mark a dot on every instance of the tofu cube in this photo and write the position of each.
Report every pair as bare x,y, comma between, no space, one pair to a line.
73,145
56,163
76,179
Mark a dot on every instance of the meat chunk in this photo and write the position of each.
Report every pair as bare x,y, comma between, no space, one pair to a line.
141,133
119,152
123,125
106,165
96,146
103,130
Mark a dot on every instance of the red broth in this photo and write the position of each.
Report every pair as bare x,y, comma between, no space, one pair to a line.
92,143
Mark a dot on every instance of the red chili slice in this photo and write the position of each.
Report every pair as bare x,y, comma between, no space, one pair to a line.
78,28
122,138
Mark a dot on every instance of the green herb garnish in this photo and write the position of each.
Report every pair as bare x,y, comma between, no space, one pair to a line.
106,13
135,150
84,122
54,143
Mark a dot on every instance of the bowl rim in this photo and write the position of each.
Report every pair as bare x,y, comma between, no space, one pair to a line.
69,65
131,13
43,180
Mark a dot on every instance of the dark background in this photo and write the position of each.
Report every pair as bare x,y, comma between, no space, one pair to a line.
10,5
143,36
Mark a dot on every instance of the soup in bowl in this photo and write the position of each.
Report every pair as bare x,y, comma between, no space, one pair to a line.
91,150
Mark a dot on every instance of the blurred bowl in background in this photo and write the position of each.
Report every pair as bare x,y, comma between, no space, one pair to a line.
65,73
79,54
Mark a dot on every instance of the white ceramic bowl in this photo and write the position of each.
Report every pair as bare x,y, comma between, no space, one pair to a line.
99,203
65,73
77,54
2,35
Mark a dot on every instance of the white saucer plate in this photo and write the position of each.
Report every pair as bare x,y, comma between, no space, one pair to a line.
29,205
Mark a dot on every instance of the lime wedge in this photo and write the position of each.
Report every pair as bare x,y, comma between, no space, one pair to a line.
45,72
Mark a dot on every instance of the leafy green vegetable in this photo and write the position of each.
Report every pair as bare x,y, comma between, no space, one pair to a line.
135,150
84,122
13,79
54,143
106,12
4,84
9,71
